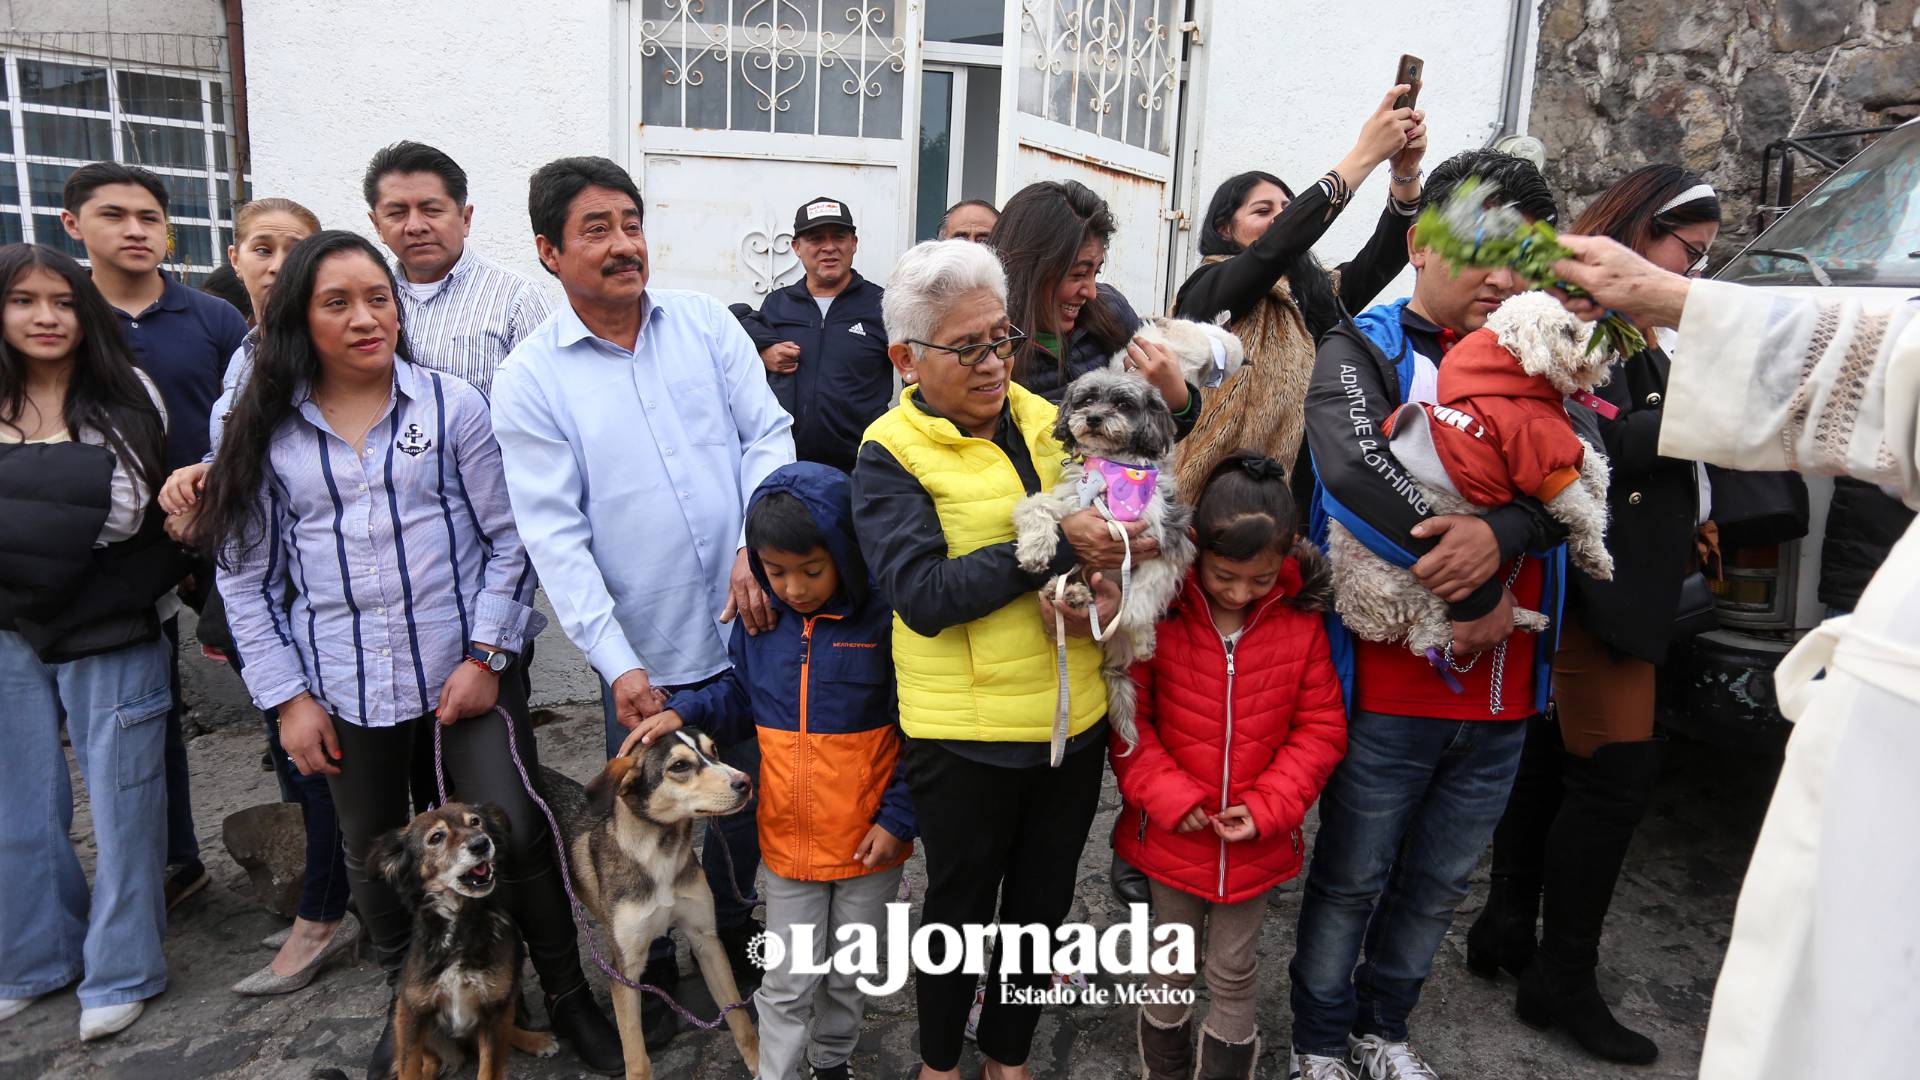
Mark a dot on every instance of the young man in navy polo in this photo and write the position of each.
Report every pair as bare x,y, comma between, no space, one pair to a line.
183,340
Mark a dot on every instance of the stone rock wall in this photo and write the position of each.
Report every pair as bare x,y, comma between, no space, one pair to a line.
1709,83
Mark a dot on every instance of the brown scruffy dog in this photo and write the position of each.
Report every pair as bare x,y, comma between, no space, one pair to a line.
630,843
460,981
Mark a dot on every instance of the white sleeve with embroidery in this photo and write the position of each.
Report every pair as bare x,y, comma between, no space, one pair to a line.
1772,381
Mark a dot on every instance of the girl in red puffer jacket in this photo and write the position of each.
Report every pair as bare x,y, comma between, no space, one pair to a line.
1240,723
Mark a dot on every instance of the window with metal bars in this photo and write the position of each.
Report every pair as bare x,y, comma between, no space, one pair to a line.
63,112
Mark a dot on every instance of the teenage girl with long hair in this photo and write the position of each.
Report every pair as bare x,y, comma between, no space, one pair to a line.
84,570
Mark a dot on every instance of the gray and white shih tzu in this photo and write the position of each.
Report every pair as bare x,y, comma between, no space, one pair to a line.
1118,434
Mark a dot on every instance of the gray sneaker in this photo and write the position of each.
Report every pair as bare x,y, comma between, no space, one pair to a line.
1374,1058
1317,1067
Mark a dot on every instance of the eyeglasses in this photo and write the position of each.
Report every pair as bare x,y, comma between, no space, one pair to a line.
969,355
1698,265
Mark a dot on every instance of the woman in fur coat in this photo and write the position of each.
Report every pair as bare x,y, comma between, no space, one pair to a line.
1258,270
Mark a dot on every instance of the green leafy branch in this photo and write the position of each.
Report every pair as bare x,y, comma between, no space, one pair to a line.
1467,231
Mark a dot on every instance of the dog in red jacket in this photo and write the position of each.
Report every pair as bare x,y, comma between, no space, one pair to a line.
1500,430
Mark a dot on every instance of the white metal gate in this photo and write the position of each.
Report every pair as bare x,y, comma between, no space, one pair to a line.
1091,93
739,111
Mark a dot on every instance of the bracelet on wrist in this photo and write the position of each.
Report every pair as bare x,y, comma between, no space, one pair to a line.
1414,179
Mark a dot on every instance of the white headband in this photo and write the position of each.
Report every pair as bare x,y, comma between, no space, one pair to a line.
1692,194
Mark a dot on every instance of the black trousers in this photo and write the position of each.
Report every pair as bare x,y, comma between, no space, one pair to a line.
371,797
995,834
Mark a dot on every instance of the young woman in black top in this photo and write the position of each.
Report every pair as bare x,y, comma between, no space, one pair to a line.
1259,274
84,568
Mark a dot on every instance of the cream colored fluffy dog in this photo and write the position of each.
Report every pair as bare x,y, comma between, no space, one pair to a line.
1207,353
1499,431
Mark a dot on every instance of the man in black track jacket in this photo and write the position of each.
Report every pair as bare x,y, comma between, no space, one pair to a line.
823,341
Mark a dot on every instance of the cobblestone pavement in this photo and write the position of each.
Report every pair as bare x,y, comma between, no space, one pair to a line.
1662,952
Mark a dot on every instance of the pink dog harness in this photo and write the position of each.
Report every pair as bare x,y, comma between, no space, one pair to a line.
1128,488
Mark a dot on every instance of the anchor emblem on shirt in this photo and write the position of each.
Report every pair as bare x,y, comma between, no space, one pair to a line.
413,442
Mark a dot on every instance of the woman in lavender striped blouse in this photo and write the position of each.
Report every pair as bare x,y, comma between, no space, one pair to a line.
370,491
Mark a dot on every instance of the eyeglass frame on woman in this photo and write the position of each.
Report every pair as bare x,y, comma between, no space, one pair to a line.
1002,347
1700,256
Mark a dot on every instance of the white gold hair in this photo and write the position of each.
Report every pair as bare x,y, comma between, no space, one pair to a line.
929,278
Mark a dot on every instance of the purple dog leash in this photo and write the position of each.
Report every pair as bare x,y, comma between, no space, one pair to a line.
566,877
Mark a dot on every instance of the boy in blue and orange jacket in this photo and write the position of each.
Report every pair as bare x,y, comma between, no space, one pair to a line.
836,823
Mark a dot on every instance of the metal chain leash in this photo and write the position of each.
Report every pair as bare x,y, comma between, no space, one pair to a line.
1498,675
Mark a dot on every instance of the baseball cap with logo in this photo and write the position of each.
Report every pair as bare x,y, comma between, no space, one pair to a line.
821,211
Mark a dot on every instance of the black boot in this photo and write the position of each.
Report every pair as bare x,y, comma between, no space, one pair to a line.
1222,1060
578,1022
658,1024
1606,797
1166,1050
1503,935
1129,884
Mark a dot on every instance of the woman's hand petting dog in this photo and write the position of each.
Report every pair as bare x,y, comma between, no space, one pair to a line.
306,734
1158,366
879,848
469,691
1235,824
1106,595
747,600
664,722
1093,543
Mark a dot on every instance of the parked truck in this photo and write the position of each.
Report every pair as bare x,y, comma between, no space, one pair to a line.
1858,232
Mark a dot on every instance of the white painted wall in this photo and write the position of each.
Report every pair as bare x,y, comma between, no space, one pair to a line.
1284,86
504,86
206,18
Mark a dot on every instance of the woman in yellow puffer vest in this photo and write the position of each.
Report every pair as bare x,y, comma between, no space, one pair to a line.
934,489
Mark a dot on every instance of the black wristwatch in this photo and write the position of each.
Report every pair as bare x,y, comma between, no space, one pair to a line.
492,660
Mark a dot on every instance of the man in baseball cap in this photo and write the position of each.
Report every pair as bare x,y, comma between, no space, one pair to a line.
822,339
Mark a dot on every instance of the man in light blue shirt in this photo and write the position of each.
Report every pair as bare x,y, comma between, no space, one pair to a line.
633,424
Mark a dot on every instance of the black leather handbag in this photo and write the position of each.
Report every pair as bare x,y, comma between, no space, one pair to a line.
1699,609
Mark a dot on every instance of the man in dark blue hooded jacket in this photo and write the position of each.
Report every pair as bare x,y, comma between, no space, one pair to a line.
823,341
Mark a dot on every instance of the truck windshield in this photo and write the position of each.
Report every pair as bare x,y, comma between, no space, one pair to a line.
1860,227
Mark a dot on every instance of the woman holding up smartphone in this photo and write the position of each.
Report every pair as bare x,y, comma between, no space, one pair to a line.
84,570
1259,272
370,492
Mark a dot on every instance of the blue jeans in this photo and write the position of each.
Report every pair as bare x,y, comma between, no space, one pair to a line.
740,831
51,932
1403,821
182,845
324,890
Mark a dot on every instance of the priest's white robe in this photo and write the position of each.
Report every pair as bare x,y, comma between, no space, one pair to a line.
1822,976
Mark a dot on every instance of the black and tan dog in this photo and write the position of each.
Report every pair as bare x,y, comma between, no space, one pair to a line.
630,844
460,981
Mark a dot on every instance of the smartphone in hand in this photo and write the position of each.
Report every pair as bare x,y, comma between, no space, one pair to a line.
1408,73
